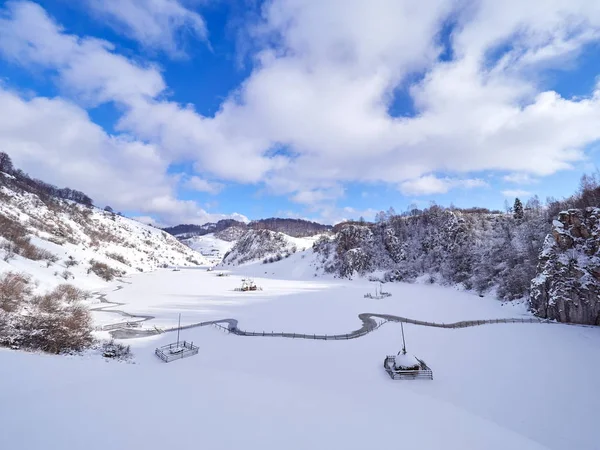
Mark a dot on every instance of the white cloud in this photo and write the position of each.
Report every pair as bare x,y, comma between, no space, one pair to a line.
519,178
157,24
201,185
88,68
430,184
323,80
315,197
511,193
55,140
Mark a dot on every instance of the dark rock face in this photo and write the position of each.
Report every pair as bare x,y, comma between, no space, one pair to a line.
567,285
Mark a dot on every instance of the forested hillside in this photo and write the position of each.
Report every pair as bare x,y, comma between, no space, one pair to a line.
485,251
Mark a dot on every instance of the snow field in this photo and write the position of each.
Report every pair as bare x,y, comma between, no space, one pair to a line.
504,386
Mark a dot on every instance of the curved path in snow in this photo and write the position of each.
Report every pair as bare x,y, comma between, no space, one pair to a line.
369,324
102,298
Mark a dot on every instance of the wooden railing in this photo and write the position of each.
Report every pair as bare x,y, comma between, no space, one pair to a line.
182,350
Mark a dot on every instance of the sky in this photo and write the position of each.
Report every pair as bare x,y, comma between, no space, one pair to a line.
190,111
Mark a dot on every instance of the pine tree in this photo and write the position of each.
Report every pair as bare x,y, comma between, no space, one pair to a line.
518,210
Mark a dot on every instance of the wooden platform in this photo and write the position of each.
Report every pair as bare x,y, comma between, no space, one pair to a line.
175,351
424,373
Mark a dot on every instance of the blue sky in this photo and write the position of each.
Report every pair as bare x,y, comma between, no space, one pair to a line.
190,111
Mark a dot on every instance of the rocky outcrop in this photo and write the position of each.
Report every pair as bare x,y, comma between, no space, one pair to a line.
567,285
264,245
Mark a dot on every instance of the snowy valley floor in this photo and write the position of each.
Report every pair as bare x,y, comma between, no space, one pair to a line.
505,386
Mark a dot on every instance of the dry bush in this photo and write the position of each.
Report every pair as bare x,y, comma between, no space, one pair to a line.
11,229
56,240
112,349
15,288
57,323
98,235
66,274
59,330
118,257
27,250
18,241
70,261
70,294
9,250
103,270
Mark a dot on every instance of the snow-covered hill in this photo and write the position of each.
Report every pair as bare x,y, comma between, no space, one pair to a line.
209,246
57,241
266,246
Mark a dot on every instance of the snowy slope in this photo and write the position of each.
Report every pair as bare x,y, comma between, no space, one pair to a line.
209,246
73,236
490,390
265,246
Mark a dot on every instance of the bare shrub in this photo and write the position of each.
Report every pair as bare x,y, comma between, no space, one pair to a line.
57,323
118,257
103,270
66,274
56,240
112,349
22,245
9,250
11,229
70,261
57,328
70,294
14,290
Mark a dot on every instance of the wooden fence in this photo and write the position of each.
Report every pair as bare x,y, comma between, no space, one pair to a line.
424,373
175,351
321,337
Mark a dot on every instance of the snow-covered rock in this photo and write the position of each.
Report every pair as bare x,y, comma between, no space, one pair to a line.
266,246
567,285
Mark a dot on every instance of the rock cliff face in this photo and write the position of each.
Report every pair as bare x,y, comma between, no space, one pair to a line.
567,285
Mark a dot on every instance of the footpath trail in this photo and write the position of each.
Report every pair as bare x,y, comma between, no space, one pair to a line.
126,330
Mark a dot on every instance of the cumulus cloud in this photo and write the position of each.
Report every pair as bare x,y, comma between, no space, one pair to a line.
156,24
323,81
430,184
519,178
55,138
198,184
511,193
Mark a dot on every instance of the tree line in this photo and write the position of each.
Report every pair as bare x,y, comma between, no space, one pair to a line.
44,190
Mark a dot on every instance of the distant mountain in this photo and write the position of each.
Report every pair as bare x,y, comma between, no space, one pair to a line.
291,227
188,230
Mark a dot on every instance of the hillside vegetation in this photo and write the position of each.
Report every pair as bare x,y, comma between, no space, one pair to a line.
55,246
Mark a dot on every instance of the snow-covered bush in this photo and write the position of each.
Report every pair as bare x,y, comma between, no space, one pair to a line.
118,257
115,350
53,322
103,270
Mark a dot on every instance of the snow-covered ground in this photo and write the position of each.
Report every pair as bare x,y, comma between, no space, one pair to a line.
211,247
504,386
75,235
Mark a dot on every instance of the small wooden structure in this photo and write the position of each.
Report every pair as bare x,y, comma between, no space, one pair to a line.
398,372
378,295
176,350
248,285
406,367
